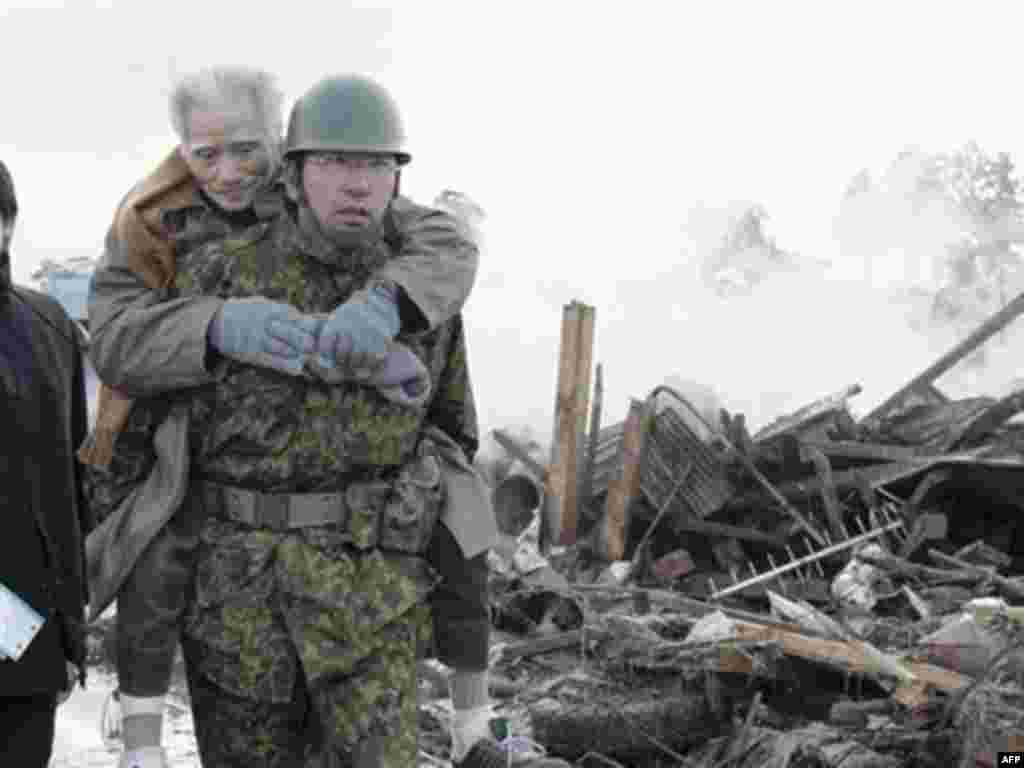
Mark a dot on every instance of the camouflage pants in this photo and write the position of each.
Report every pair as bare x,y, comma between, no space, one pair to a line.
301,650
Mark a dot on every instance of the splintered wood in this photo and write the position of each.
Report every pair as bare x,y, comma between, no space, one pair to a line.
572,402
856,657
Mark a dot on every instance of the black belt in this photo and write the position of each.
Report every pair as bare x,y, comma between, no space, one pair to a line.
368,514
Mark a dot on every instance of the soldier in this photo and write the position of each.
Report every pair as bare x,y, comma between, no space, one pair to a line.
323,496
42,411
150,336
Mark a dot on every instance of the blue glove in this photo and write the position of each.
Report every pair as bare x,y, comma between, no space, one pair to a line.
400,368
403,378
263,332
358,334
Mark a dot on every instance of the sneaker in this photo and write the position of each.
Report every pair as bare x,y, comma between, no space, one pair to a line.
515,751
147,757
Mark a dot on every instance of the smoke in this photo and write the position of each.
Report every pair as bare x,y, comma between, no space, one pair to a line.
788,331
894,233
732,251
897,236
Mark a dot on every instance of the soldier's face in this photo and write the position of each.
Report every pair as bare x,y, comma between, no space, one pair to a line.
227,152
348,191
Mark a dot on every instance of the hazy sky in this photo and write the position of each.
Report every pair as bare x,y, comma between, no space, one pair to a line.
588,135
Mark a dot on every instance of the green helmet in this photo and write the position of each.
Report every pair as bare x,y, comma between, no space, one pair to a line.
346,113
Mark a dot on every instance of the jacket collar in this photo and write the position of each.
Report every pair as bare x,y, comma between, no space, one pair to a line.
172,187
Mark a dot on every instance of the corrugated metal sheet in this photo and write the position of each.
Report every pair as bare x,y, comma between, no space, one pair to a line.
669,448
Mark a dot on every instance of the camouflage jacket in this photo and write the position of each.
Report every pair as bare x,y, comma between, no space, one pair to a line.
260,429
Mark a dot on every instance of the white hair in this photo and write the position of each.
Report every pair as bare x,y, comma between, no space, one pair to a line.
216,88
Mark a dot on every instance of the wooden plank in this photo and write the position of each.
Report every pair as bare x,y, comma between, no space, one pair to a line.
571,404
929,677
855,657
983,333
562,433
625,487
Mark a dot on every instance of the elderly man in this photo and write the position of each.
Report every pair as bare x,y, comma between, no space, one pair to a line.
153,336
43,416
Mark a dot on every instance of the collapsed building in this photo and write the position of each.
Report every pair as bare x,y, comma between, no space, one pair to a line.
828,591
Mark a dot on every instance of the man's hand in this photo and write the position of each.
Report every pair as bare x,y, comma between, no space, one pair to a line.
358,334
263,332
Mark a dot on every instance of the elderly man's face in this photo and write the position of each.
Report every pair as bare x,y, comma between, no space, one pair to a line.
227,153
348,191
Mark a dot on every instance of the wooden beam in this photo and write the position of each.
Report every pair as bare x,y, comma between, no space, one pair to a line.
857,657
625,486
571,405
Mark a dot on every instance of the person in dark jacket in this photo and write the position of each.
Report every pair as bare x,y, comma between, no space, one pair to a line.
43,418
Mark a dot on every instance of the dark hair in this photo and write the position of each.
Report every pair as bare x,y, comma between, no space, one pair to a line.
8,201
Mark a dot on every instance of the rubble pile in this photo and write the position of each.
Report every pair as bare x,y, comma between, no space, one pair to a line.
825,592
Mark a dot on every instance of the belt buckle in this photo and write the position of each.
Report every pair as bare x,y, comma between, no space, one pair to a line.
272,511
236,504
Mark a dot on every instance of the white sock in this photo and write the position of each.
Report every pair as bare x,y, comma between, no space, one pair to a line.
468,727
142,720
